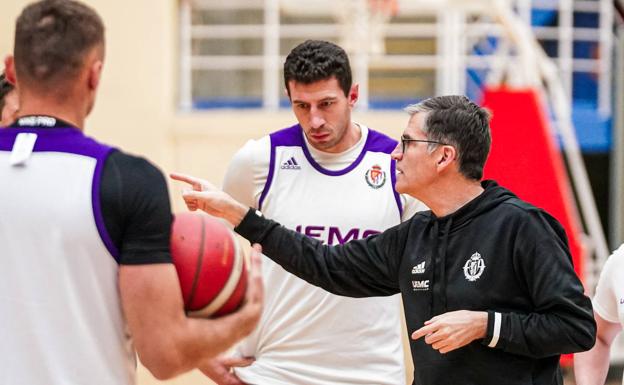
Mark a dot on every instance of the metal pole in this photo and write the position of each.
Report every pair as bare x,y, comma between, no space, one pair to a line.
457,45
450,75
442,55
524,10
605,49
361,62
270,73
617,151
565,45
186,69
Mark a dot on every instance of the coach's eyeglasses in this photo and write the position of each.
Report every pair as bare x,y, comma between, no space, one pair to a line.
405,141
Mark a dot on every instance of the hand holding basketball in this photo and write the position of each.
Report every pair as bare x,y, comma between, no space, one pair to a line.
208,198
220,369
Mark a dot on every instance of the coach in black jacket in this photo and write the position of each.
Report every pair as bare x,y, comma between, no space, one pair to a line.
487,281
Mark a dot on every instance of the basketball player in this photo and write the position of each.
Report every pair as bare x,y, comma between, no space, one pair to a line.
9,103
591,367
489,290
84,229
332,179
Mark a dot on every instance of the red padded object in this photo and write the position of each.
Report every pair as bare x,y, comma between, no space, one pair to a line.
525,159
209,263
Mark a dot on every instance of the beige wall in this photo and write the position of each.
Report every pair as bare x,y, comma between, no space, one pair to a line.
136,106
136,103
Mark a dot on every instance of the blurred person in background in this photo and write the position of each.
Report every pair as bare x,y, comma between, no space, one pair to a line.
9,102
591,367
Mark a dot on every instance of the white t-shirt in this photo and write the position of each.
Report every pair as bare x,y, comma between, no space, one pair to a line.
609,299
308,336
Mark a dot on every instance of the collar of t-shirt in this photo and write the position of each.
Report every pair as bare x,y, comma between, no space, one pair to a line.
341,160
40,121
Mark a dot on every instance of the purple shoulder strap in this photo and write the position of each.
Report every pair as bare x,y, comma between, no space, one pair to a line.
71,140
290,136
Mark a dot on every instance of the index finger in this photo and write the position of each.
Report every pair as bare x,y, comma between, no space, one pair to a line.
184,178
423,331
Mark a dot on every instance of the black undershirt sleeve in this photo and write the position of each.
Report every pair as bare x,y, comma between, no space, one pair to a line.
136,209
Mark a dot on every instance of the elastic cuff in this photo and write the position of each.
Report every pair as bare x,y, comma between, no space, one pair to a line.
495,320
252,226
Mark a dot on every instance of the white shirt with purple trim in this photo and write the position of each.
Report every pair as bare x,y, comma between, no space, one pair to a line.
609,299
308,336
61,321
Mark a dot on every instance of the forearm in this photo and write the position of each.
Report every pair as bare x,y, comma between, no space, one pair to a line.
591,367
167,342
555,317
187,343
206,339
539,335
355,269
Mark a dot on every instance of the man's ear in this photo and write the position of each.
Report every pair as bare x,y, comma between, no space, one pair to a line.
354,94
9,69
95,74
446,156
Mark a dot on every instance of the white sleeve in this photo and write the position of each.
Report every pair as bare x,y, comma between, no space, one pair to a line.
605,301
247,172
411,206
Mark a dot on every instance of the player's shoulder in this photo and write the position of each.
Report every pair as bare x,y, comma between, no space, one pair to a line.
411,206
379,142
289,136
253,150
132,162
133,168
616,259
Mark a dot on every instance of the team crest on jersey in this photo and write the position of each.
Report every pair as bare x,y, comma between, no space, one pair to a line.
474,266
375,177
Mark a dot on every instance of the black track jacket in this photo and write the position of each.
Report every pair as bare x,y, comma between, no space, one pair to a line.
497,254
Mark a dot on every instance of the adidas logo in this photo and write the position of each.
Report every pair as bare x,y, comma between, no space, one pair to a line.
419,269
291,164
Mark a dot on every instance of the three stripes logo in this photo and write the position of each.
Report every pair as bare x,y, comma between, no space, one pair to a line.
291,164
419,269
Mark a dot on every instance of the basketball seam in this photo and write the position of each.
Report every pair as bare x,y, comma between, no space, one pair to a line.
230,285
200,260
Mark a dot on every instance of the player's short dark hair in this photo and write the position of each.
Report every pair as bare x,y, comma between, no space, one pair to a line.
315,60
5,88
457,121
52,38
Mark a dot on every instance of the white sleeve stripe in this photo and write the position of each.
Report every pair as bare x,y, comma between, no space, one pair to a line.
497,327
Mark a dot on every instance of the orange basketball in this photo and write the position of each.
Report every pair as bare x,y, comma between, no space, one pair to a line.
210,265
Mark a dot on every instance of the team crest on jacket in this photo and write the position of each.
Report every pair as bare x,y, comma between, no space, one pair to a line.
375,177
474,266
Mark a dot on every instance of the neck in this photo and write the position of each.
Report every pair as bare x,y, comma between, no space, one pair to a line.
64,111
449,196
351,137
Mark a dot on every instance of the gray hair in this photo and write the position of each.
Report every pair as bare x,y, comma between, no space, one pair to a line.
461,123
